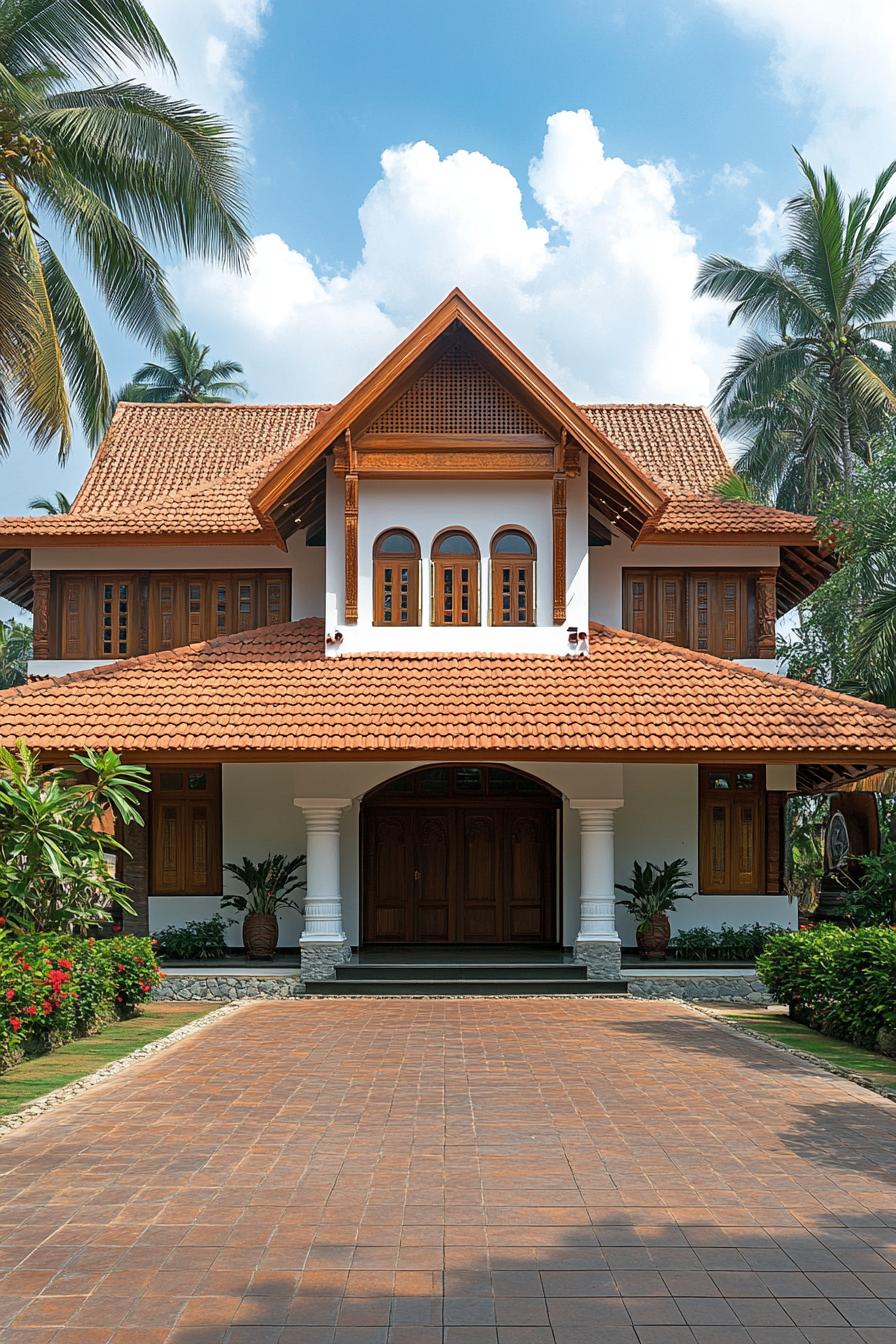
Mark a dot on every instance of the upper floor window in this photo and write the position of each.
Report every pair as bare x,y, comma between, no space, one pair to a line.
396,579
455,579
711,610
513,578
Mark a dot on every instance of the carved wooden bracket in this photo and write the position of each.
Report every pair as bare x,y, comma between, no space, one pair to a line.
351,548
766,612
559,549
41,613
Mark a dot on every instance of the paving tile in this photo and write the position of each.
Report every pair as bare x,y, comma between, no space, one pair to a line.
455,1172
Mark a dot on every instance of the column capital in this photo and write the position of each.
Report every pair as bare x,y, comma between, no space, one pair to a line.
307,804
596,804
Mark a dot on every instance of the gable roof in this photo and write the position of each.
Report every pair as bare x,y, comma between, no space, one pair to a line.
409,358
676,445
272,693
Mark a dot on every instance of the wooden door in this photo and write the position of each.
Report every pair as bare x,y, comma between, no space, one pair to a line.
434,916
480,885
389,868
529,848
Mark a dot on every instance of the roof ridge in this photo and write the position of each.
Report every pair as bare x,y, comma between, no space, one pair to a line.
229,405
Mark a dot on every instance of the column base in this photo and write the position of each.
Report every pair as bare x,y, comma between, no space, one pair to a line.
602,956
319,959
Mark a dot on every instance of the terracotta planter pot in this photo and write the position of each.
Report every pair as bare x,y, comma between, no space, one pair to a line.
654,940
260,933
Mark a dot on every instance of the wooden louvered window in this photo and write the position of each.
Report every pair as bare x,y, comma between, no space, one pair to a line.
708,610
455,579
189,608
732,830
396,579
513,578
185,843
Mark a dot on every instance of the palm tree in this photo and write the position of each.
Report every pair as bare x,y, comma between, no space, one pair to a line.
60,503
15,650
807,384
185,375
110,170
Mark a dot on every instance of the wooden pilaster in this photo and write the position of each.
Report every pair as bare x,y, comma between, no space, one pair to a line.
351,548
41,613
766,612
559,548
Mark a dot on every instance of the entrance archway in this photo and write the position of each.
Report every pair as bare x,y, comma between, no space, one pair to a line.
461,854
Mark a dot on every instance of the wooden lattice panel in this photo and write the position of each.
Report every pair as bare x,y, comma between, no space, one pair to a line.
456,396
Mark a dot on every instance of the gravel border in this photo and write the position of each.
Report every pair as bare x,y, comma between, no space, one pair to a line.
50,1100
717,1015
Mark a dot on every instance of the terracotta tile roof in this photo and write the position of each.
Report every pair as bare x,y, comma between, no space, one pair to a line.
273,691
707,515
677,446
190,469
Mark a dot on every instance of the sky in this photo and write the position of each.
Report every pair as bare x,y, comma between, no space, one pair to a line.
567,164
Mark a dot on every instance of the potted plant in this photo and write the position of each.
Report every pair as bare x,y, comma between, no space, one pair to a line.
653,893
269,884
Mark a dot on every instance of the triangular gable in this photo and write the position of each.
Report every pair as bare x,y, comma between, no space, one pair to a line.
458,325
456,395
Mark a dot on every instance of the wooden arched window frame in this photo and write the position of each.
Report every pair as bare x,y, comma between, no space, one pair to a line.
513,577
455,578
396,578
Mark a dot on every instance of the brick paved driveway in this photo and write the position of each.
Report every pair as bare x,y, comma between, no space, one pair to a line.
510,1171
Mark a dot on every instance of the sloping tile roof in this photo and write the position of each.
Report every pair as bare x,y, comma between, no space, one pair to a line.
677,446
695,515
273,691
183,470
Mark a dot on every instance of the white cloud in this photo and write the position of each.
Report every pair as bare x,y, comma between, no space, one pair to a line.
599,294
836,64
768,231
735,176
211,41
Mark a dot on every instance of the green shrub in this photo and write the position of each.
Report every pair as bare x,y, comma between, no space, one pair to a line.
725,944
841,981
54,987
196,940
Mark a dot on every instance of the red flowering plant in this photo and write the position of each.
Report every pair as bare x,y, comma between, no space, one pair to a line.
54,987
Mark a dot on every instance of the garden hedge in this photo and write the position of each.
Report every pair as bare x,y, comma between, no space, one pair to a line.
54,987
840,981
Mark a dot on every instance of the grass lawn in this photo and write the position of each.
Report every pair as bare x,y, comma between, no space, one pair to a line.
34,1077
777,1026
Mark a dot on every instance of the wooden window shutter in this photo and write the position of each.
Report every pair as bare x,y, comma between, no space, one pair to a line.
198,846
245,604
276,600
638,602
196,605
165,612
775,812
75,625
167,866
732,830
729,638
672,623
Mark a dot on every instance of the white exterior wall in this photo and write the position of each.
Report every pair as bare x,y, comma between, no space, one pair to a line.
481,507
657,822
305,563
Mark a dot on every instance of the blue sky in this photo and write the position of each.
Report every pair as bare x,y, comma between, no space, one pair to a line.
567,164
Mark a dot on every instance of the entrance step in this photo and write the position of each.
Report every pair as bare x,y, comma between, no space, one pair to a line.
463,978
466,988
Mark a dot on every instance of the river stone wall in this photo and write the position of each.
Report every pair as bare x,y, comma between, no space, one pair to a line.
221,988
736,988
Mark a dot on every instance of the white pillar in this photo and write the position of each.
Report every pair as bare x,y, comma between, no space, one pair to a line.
323,941
598,944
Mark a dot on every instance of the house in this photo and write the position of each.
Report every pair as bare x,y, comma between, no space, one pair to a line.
474,648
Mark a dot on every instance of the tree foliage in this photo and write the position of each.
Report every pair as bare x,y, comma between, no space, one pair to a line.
15,650
185,376
107,171
813,383
54,873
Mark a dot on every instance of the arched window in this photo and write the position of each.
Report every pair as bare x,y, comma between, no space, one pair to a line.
396,579
513,578
455,579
